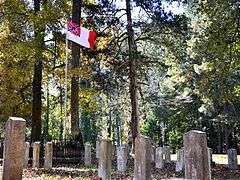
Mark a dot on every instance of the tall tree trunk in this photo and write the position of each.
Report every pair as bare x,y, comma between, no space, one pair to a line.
132,75
36,86
61,110
86,117
219,139
46,124
76,15
118,127
110,116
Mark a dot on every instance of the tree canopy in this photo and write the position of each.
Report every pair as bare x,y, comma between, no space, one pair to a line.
152,69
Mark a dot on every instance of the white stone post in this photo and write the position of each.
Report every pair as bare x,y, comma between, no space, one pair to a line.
153,151
88,154
159,162
14,149
180,160
167,154
27,146
97,148
36,154
48,155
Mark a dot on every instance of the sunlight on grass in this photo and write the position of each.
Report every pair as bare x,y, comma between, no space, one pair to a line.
222,158
217,158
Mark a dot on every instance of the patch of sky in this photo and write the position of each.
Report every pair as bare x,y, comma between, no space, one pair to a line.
137,12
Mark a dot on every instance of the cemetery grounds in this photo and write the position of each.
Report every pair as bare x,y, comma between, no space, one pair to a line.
80,172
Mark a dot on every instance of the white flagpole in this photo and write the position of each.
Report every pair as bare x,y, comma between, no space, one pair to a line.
65,86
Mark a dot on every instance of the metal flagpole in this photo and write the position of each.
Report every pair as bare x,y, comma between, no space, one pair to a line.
65,86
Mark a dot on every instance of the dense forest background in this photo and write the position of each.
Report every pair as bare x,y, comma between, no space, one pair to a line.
182,69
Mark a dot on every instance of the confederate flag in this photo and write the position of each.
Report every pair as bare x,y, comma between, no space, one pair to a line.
80,35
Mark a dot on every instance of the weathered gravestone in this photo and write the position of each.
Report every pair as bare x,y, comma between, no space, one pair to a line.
167,154
14,149
196,156
153,150
210,155
27,146
88,154
180,160
159,162
105,159
48,155
142,161
122,157
232,159
210,161
36,154
97,148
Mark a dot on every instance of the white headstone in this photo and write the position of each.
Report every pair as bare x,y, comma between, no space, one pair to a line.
159,162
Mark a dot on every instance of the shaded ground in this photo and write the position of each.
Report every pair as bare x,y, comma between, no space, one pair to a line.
79,172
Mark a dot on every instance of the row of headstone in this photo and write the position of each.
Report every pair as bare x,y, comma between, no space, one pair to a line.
16,150
162,156
195,157
143,159
48,155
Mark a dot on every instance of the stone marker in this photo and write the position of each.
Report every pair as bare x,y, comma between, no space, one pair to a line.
159,162
196,156
153,151
122,157
14,149
36,154
167,154
210,161
180,160
27,146
105,159
88,154
210,155
48,155
142,161
97,148
232,159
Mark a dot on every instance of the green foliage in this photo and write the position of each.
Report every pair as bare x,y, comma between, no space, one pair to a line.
175,139
151,128
187,68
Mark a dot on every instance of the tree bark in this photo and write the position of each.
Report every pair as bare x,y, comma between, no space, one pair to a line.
36,87
132,75
76,15
219,139
46,124
118,127
61,110
110,116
